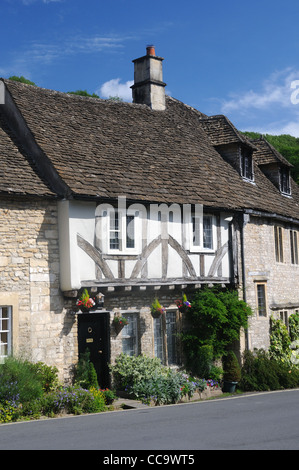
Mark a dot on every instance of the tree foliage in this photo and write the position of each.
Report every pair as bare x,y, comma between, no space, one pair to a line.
215,320
83,93
285,144
22,79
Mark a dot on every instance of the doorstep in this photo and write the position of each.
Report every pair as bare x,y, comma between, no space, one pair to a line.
128,403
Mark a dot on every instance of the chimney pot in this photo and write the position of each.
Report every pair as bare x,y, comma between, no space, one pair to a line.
148,86
150,50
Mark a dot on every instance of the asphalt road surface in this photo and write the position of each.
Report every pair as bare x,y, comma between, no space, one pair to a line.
258,421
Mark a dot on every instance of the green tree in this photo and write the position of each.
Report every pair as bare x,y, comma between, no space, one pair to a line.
214,324
21,79
83,93
285,144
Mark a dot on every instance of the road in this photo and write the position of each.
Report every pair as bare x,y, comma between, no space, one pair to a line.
263,421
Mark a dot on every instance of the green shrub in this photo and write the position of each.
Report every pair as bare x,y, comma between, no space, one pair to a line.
48,375
18,381
147,379
215,320
280,341
161,388
216,373
109,396
260,372
73,400
9,411
231,368
85,375
294,326
128,370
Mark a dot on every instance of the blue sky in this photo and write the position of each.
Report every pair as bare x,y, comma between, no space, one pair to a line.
222,57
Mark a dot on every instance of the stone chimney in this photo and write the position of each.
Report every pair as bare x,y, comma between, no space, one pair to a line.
149,87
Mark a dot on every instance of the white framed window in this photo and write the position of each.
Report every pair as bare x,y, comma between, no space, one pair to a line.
123,231
284,181
294,246
246,164
165,338
5,332
130,335
203,233
278,240
261,297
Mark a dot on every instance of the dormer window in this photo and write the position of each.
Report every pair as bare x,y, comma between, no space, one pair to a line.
284,180
246,164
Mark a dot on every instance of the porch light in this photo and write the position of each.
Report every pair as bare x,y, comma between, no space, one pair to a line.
100,300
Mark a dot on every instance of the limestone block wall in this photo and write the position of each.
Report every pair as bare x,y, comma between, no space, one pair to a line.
42,328
138,302
281,279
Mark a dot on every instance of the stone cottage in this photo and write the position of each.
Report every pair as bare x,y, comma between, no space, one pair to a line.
134,202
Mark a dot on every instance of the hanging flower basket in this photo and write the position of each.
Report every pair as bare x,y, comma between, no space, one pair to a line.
157,309
183,304
85,303
119,322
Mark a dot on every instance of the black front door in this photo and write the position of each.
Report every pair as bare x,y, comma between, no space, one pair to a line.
94,335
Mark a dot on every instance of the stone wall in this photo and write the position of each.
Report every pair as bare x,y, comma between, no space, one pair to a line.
29,281
281,279
138,301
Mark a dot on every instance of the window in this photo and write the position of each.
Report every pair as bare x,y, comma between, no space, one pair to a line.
5,332
294,247
165,334
123,227
283,314
129,335
115,232
284,180
278,238
202,232
171,330
261,300
246,164
207,232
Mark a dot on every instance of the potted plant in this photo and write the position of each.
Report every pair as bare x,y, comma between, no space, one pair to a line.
183,304
119,322
231,372
157,309
85,302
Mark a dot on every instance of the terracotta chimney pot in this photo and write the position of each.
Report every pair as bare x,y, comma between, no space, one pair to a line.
150,50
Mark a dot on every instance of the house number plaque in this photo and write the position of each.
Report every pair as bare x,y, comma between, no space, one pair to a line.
89,340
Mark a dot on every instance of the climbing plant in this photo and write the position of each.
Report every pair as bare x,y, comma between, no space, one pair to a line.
214,324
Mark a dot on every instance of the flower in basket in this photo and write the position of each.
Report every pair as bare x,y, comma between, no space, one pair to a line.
157,309
85,301
183,303
120,321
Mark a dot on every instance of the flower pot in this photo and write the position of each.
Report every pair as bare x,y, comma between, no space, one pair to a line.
229,387
156,313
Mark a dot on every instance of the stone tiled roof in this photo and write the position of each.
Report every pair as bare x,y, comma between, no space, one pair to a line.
18,176
267,154
222,132
103,149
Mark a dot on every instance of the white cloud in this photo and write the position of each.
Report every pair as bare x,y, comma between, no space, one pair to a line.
277,128
29,2
36,53
275,91
114,87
